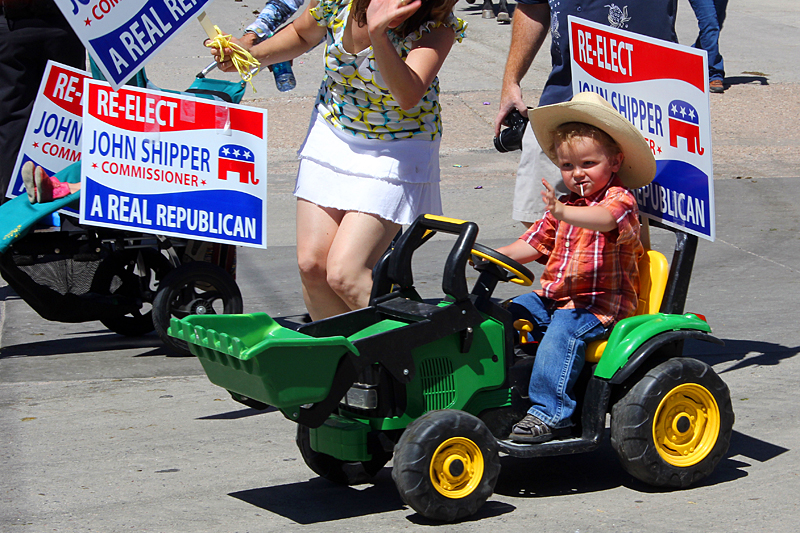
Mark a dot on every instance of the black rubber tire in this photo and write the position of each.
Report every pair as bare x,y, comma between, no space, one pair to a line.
193,288
414,454
336,470
633,421
123,266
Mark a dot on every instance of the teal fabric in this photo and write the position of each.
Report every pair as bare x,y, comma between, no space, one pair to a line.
235,91
18,216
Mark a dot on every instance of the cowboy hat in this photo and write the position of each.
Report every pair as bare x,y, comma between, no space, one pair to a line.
638,167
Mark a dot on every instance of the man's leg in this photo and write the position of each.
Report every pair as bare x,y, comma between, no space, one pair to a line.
708,38
533,166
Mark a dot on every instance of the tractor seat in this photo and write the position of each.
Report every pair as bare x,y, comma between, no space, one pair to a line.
653,274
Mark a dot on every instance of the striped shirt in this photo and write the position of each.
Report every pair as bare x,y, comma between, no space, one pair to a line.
589,269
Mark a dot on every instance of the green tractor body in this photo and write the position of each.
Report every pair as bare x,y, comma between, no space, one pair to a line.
440,384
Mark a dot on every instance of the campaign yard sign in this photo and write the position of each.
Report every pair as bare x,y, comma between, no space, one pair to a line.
53,137
662,88
174,165
123,36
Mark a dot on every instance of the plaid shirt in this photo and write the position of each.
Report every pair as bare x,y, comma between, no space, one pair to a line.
589,269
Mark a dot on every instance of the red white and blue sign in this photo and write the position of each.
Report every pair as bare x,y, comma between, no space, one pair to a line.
662,89
173,165
123,36
53,137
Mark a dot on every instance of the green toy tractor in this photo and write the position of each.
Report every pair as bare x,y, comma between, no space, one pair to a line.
436,386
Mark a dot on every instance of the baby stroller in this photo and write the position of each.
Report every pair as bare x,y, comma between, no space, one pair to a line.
131,282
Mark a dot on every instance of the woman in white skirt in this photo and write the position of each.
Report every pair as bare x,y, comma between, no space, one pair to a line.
370,162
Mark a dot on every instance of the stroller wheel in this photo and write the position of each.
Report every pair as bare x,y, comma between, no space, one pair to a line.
196,288
132,278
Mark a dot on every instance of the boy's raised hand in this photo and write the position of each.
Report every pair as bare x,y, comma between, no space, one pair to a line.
595,218
549,198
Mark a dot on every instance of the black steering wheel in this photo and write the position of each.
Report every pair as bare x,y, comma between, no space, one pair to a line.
514,272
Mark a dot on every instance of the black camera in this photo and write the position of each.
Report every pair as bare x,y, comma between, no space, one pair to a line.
511,138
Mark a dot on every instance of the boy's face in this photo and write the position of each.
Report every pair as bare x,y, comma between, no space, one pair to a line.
586,165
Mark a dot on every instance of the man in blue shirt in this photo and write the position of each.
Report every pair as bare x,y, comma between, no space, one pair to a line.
532,20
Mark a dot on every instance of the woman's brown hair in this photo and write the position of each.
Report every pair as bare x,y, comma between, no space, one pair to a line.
435,10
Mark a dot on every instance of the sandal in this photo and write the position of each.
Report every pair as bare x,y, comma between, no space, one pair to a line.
531,430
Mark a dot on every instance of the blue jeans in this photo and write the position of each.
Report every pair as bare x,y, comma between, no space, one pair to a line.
562,335
710,16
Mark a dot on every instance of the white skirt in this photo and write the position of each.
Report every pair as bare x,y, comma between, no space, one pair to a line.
396,180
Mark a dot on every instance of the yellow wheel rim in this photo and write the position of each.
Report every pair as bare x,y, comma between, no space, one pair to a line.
686,425
456,467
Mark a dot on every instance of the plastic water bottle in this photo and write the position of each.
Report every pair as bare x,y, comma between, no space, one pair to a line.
284,77
275,13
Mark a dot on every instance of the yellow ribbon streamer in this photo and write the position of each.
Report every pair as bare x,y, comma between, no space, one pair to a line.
242,59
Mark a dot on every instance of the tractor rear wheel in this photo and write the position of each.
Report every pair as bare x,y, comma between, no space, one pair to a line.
673,427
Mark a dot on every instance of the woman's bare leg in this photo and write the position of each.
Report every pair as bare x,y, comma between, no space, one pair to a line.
336,251
361,240
316,229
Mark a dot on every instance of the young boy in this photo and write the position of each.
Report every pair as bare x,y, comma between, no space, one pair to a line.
589,242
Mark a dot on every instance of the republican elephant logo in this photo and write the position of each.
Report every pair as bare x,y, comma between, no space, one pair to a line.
238,163
684,122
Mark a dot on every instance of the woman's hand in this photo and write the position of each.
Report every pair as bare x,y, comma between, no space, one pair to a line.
381,13
225,65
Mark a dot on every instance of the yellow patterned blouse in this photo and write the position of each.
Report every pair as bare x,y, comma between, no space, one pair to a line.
353,96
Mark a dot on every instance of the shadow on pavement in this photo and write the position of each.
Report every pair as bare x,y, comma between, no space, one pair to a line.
561,475
746,80
318,500
86,344
753,448
600,470
7,293
241,413
766,353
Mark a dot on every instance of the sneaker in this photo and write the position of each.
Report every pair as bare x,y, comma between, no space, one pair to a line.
716,86
532,430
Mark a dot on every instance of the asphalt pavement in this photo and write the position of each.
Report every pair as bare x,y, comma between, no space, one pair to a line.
100,432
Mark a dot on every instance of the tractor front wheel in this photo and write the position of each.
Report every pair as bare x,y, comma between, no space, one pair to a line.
336,470
673,427
446,465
